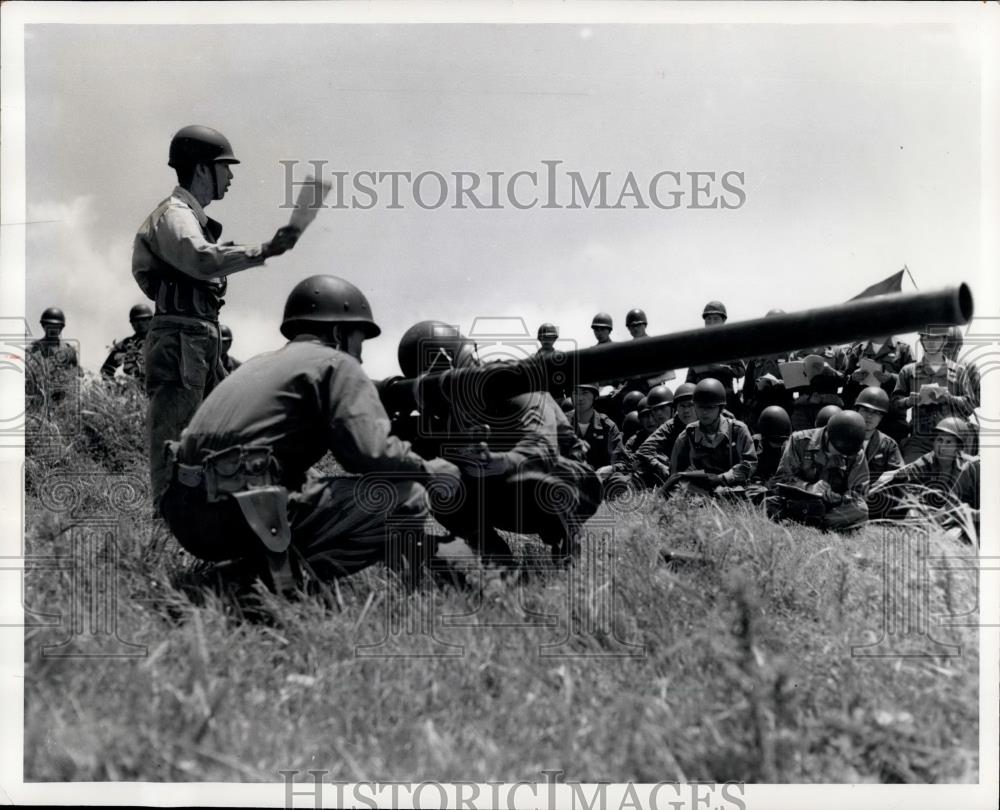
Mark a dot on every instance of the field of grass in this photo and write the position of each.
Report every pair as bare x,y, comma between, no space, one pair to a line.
734,663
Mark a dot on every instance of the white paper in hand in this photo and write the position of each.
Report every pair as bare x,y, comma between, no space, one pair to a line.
311,196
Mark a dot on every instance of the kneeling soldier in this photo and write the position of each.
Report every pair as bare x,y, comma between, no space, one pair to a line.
881,452
240,480
773,429
717,450
652,457
823,476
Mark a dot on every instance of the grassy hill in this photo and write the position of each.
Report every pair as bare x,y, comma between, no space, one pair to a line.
734,663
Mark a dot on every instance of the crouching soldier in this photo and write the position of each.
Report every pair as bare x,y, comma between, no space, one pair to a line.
714,453
881,452
773,429
240,483
652,457
823,476
513,474
924,486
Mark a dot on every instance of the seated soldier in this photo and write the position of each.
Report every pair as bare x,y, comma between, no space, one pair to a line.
823,387
605,452
652,457
773,429
881,452
924,486
240,479
822,480
514,477
716,451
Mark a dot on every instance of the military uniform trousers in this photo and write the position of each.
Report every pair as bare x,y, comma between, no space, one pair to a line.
553,504
339,525
182,357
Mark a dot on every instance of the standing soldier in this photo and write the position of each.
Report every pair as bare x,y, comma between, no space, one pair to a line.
652,456
601,324
548,334
714,314
51,362
823,476
823,388
763,385
230,364
127,354
635,322
178,263
950,391
239,479
57,353
891,355
881,451
716,450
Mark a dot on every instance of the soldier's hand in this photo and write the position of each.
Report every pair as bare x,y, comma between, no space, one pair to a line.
445,476
821,488
480,462
911,400
283,239
859,376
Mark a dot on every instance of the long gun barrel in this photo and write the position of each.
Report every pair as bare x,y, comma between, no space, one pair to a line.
841,323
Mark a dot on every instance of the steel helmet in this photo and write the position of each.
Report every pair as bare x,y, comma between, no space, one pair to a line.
140,312
567,404
635,316
714,308
53,315
594,389
630,401
846,430
710,392
548,330
199,144
226,332
601,321
630,424
953,345
875,398
433,346
825,414
684,391
643,406
660,395
326,300
953,426
935,330
773,423
772,312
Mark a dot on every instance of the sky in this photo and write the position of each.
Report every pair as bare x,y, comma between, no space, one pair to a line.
858,145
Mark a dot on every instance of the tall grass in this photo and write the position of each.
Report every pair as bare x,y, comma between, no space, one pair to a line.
694,640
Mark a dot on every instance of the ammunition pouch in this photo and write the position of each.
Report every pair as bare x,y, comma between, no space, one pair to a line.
249,476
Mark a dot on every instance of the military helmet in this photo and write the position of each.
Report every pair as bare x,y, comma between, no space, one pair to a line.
846,430
548,330
140,312
601,321
630,424
635,316
643,406
935,330
710,392
953,426
772,312
684,391
953,345
875,398
660,395
326,300
432,346
566,403
773,423
631,401
225,332
53,315
826,414
594,389
714,308
198,144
